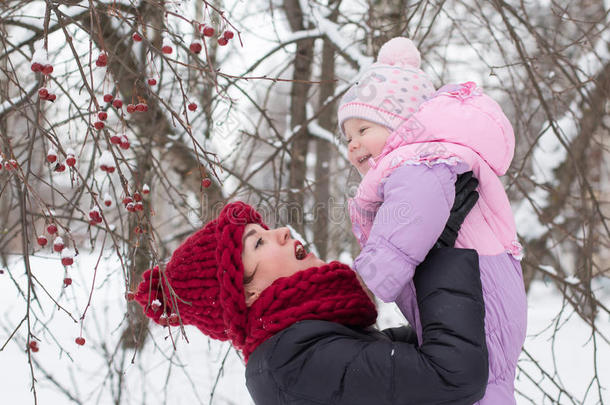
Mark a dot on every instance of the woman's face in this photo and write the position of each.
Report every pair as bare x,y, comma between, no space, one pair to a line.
268,255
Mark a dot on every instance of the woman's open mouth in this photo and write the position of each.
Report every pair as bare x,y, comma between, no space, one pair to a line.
299,251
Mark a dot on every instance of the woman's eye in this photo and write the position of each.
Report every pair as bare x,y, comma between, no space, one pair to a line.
258,242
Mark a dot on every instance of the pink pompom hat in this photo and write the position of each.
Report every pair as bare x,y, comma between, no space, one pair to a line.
390,90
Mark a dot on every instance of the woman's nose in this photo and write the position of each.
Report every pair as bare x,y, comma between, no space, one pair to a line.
283,234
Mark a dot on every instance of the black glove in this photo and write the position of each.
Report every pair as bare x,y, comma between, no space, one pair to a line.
465,198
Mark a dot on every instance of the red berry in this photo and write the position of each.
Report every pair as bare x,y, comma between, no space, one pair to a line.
58,244
43,93
36,67
156,305
107,203
206,182
222,41
138,206
33,345
51,97
174,319
70,161
102,60
51,229
108,98
152,81
145,189
167,49
129,295
51,156
42,240
60,167
47,70
102,115
192,106
131,108
115,139
117,103
141,107
124,144
137,197
67,281
227,35
208,31
195,47
127,200
98,125
131,207
163,320
136,37
80,341
67,261
110,169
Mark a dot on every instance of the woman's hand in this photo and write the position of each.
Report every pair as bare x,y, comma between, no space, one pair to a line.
465,198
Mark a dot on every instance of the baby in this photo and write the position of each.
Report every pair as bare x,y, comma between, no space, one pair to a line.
409,142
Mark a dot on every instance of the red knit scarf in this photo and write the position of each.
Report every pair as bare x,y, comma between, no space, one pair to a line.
330,292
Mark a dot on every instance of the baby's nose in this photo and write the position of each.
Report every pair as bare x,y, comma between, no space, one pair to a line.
353,145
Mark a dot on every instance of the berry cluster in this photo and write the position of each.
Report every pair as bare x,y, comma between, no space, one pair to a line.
101,116
102,59
94,216
40,62
172,319
106,162
61,166
140,107
133,203
226,36
67,255
8,164
44,94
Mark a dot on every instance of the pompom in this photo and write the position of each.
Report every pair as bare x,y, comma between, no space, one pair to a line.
399,51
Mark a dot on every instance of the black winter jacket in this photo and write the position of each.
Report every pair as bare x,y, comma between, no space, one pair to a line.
325,363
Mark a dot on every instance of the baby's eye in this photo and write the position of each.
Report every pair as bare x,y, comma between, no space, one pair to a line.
363,129
348,140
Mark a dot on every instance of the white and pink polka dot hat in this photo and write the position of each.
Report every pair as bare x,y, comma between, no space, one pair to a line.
389,90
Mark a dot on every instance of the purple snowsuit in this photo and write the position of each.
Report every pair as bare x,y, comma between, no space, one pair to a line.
403,203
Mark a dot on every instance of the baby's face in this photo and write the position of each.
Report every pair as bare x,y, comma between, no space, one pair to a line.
365,139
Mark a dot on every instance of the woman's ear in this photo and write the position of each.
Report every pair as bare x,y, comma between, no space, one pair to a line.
251,296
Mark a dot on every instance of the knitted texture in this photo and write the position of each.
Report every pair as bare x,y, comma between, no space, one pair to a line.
206,276
330,292
203,284
390,90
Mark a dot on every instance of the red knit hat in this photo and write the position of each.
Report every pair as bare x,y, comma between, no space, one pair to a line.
205,275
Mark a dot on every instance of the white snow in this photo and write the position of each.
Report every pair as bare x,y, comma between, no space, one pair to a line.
106,159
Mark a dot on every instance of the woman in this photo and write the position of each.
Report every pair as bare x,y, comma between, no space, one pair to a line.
304,325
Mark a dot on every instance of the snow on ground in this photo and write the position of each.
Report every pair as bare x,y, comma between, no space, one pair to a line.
159,375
